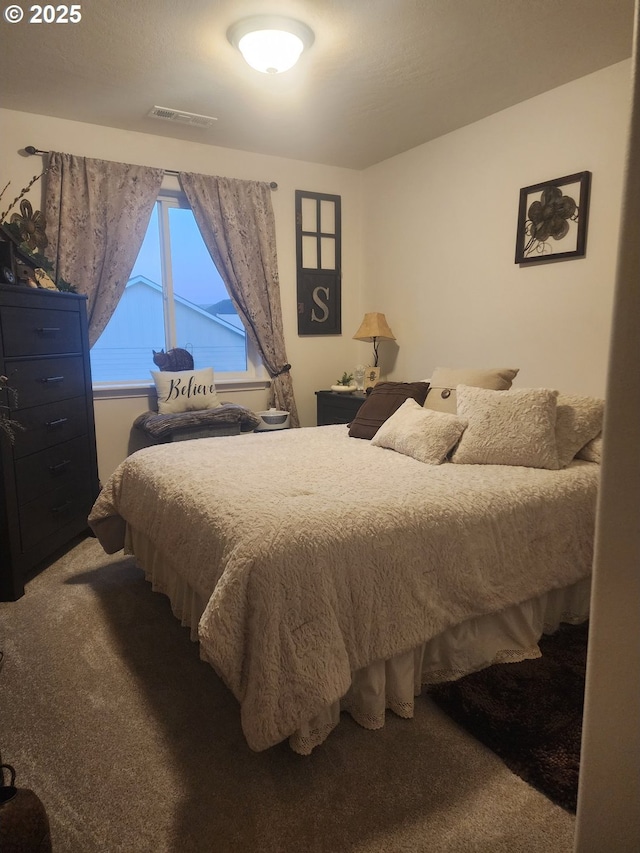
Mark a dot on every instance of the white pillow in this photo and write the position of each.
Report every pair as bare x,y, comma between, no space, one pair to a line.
420,433
444,381
516,427
592,451
578,421
185,390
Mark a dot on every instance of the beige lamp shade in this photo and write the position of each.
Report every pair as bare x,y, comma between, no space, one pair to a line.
374,328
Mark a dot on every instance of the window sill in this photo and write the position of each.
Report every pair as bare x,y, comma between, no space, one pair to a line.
115,391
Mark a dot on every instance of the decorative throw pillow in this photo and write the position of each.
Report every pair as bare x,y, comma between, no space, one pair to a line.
592,451
516,427
443,383
185,390
578,421
382,402
420,433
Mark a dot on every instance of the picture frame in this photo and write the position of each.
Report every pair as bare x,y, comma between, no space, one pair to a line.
552,219
371,377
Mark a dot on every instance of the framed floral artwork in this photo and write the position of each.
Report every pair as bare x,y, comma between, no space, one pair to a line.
552,219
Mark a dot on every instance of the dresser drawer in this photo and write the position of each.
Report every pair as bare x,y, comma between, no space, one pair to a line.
50,424
40,331
48,513
61,465
45,380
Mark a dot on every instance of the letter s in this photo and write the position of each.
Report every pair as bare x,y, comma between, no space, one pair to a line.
322,305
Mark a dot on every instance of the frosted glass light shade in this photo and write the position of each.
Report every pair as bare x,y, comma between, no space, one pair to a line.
271,51
270,43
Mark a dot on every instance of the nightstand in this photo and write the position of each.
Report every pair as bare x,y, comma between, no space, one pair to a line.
337,408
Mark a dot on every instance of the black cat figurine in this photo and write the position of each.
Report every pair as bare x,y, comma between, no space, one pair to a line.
173,359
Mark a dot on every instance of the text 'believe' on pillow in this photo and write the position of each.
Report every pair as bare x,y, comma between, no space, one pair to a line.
185,390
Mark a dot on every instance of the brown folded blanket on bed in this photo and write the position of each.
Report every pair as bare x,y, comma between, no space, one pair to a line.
163,427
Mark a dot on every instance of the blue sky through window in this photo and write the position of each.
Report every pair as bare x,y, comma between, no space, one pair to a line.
195,276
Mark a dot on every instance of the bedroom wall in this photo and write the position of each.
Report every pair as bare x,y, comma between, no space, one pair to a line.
439,242
316,361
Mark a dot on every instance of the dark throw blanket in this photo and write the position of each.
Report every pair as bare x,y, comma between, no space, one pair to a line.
529,713
164,427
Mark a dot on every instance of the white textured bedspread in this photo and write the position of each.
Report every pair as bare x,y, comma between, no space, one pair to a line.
319,553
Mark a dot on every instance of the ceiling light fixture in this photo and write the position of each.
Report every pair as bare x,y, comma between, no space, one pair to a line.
270,43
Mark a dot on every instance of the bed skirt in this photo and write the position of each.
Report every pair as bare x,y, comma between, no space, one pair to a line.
505,637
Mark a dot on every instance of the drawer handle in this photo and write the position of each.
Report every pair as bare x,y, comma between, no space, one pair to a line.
46,379
56,469
56,423
43,330
62,508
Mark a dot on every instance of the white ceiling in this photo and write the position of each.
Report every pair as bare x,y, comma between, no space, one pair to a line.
381,77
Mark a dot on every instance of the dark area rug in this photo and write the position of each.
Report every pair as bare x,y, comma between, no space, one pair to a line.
529,713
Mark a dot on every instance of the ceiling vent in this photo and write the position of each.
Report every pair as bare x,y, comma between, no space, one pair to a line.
181,117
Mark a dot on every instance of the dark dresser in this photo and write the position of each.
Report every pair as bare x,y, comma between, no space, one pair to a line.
336,408
49,476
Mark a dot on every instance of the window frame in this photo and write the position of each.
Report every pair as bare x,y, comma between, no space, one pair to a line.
254,377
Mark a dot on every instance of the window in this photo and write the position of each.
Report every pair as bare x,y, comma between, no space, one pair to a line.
175,297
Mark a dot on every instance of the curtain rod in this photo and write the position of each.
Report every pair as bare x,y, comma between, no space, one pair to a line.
30,149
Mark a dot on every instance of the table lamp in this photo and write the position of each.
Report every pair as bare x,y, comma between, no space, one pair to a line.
374,328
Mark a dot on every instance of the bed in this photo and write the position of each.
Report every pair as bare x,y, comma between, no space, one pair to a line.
323,573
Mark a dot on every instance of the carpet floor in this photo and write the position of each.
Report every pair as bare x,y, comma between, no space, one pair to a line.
133,744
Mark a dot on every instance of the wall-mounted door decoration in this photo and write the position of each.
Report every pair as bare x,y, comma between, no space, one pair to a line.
318,261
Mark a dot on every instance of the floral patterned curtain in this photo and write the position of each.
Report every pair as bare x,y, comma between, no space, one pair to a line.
237,225
97,214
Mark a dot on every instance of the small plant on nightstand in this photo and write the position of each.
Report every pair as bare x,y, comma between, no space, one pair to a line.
345,384
347,379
